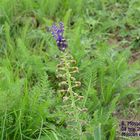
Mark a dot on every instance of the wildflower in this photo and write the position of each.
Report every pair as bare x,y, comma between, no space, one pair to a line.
57,33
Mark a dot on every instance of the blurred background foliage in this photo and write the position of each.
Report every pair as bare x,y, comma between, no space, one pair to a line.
103,37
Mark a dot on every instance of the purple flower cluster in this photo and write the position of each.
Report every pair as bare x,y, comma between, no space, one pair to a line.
57,33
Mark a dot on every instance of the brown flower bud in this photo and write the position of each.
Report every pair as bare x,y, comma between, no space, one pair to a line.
63,83
65,98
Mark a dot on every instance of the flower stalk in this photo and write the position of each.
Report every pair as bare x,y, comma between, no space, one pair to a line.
65,73
69,96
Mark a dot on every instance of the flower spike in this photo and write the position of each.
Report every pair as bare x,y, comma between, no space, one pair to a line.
57,33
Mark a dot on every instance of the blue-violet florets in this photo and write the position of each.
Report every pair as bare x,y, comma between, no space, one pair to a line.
57,33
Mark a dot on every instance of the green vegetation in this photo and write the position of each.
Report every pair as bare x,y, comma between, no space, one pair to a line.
103,38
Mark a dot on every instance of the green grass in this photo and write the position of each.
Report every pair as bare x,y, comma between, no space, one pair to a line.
103,38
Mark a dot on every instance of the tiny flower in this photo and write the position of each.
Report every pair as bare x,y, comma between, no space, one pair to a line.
57,33
65,98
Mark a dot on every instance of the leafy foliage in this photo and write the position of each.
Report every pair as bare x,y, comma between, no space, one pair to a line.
102,38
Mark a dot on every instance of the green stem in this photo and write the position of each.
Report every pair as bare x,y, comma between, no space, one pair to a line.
3,126
68,75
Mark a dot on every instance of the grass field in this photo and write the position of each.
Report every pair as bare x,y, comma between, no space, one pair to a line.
82,93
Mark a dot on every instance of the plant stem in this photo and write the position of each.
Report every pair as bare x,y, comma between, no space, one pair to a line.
70,90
